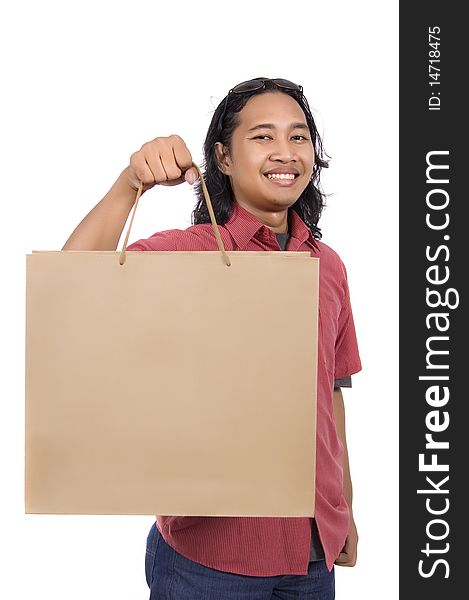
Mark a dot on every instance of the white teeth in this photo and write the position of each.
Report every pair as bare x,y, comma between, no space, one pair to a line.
280,176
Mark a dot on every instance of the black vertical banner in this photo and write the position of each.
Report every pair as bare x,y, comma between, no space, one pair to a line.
434,266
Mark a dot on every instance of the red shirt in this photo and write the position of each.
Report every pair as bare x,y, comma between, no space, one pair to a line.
265,546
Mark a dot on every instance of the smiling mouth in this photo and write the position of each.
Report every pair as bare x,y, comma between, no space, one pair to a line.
282,179
281,176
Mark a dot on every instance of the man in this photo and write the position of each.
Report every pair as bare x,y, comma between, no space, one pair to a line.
263,157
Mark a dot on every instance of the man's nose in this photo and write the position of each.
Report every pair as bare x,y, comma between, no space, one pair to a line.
283,150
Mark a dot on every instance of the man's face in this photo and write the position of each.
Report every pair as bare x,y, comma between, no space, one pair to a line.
272,156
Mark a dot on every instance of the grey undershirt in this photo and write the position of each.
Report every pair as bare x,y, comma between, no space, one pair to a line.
316,551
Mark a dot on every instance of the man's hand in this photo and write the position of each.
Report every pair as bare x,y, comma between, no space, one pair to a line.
164,160
348,556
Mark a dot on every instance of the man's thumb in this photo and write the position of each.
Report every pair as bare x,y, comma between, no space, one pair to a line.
191,176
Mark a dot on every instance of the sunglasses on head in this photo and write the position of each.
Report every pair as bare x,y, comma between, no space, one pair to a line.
258,84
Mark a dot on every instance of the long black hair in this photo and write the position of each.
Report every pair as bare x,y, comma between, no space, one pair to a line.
225,119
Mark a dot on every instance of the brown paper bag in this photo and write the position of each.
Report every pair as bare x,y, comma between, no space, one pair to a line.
171,384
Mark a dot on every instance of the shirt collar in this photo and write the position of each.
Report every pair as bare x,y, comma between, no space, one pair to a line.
243,226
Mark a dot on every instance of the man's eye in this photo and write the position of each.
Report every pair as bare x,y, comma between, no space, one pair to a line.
262,137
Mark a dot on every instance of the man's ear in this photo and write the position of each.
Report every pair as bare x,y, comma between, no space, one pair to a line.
223,159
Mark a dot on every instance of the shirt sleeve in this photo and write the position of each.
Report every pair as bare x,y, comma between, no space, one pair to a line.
345,382
347,358
162,240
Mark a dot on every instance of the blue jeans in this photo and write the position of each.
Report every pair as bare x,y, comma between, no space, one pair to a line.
171,576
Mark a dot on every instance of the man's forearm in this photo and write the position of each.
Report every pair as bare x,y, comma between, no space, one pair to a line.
339,414
103,225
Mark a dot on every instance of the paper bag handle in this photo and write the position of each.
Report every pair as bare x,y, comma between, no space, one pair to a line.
221,247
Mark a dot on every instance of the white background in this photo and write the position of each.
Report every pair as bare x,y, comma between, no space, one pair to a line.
85,84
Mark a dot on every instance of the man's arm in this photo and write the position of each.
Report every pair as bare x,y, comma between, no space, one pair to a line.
103,225
164,160
348,556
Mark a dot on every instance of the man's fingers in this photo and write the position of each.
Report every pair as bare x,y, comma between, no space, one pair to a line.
141,169
164,160
345,560
182,156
